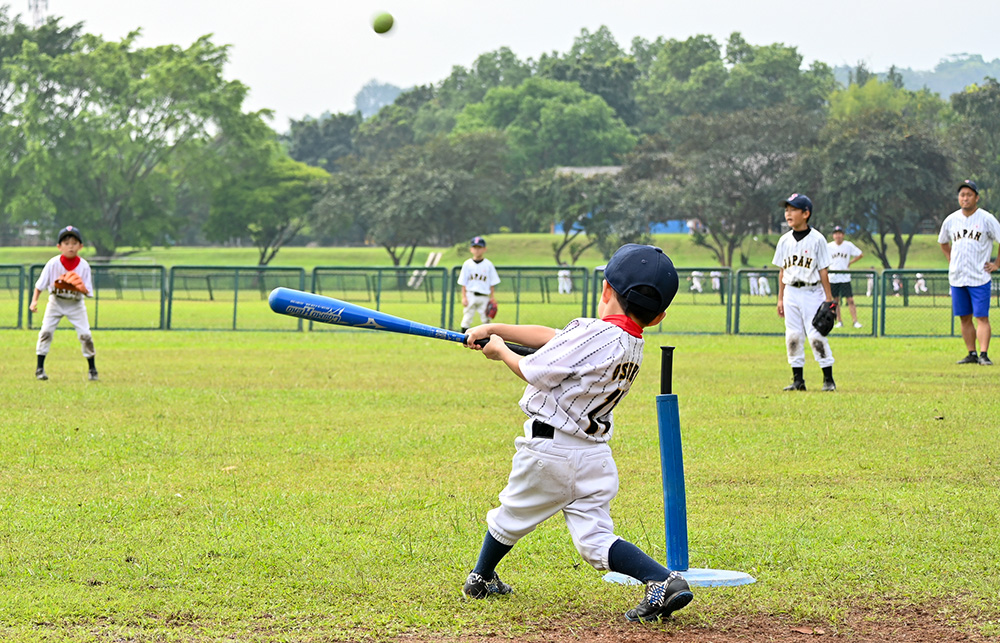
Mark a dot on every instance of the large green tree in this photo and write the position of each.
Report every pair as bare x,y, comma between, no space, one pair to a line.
436,193
52,40
271,202
601,67
883,165
692,77
103,123
976,136
323,141
550,123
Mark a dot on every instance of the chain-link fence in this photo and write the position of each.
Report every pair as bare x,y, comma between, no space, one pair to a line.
531,295
416,294
918,304
12,284
229,297
701,306
895,303
755,302
124,298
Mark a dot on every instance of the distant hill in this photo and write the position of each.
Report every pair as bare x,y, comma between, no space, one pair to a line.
951,75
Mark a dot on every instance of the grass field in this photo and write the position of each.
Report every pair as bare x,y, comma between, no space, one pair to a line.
333,486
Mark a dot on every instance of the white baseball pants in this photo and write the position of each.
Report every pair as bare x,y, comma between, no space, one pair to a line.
75,310
477,304
801,305
567,474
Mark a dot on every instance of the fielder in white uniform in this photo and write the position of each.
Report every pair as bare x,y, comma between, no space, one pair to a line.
564,279
803,285
967,237
563,462
478,280
842,255
63,303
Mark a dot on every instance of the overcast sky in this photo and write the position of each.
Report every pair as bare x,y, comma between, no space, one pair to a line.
304,57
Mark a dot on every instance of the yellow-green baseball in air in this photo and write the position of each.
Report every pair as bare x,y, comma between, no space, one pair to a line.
382,23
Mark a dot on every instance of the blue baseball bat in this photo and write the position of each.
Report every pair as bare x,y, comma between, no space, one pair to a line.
307,305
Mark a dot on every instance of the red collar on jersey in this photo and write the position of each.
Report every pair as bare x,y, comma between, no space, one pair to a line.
625,323
69,264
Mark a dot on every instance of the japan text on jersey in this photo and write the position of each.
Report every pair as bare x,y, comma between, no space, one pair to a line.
801,261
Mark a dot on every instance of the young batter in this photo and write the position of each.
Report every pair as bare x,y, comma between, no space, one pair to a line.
478,280
563,462
803,286
64,303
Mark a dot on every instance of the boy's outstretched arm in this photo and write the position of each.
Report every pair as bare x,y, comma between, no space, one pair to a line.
525,335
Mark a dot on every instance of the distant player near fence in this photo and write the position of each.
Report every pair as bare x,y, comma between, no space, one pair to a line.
842,255
967,237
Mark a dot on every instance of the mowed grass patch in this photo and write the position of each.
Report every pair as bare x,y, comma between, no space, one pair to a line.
316,486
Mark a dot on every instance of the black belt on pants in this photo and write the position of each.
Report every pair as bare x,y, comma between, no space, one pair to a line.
802,284
542,430
480,294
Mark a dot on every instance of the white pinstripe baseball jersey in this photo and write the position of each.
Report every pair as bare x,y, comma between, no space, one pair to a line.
478,276
971,238
802,260
576,379
840,259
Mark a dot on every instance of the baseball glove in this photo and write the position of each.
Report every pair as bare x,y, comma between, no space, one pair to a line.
70,281
825,318
491,310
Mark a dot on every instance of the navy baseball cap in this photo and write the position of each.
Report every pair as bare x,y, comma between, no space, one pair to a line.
967,183
635,265
70,231
837,228
478,241
799,201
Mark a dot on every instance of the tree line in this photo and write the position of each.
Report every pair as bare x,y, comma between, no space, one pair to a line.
152,146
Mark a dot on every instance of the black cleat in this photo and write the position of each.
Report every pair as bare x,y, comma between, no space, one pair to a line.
969,359
40,374
662,599
984,360
796,385
92,376
829,385
478,587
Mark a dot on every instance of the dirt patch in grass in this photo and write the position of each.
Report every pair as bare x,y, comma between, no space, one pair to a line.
905,625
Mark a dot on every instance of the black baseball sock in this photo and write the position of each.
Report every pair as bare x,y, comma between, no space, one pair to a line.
626,558
827,373
41,361
90,363
490,555
797,374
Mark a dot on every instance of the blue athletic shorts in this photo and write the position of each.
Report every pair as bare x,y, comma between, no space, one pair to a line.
971,300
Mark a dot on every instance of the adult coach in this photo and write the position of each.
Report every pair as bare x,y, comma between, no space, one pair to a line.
967,238
842,255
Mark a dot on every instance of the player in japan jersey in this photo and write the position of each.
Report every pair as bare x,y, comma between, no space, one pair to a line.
842,255
967,237
803,285
478,280
563,463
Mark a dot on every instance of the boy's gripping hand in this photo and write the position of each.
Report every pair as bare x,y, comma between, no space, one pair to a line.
478,337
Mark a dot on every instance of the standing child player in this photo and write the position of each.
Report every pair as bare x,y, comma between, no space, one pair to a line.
842,255
563,462
803,286
67,279
478,280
